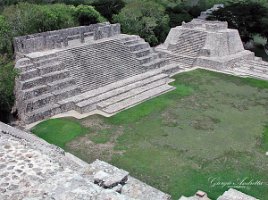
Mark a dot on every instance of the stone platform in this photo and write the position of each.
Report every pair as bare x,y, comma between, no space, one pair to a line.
98,69
85,69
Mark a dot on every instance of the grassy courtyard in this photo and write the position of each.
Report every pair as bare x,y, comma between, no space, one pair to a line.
208,134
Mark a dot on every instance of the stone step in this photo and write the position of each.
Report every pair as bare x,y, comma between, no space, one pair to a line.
149,58
30,83
57,75
39,102
91,103
35,91
246,73
173,69
25,68
61,84
257,63
259,69
111,86
29,74
47,78
65,93
139,46
157,63
131,93
44,57
130,102
42,113
47,61
51,67
132,41
142,52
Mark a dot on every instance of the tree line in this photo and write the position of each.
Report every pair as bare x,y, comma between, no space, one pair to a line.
151,19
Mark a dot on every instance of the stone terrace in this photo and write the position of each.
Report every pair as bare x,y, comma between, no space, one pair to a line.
98,70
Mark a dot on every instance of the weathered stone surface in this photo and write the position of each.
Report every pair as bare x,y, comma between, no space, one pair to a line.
32,169
233,194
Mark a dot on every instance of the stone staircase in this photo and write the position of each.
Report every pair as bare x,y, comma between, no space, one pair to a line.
43,82
143,52
183,54
190,43
109,75
252,68
99,64
120,95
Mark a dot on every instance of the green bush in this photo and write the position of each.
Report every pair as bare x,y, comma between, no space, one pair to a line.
7,82
28,18
108,8
5,37
87,15
146,19
177,15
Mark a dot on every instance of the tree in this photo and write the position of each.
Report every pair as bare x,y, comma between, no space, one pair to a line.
7,82
25,18
177,15
145,18
245,16
87,15
108,8
5,38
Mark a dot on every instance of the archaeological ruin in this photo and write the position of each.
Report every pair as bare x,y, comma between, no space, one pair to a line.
96,69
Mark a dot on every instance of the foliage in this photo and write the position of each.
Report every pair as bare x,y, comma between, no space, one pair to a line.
27,18
87,15
7,82
245,16
5,37
177,15
108,8
144,18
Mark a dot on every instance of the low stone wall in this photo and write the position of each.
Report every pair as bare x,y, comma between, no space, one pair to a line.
60,38
107,31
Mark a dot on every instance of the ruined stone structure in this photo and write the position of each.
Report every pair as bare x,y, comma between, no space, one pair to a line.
85,69
96,68
210,45
32,169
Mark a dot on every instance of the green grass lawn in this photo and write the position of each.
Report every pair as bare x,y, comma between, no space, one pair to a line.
212,128
59,131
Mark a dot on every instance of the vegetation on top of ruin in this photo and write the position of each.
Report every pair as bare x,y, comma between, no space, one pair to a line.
211,126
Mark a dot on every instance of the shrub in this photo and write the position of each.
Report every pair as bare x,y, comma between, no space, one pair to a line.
144,18
87,15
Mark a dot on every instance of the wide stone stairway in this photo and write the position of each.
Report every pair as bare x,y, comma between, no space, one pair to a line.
120,95
252,68
183,54
43,82
107,75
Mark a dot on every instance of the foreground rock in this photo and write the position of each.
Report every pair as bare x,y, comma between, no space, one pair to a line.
31,169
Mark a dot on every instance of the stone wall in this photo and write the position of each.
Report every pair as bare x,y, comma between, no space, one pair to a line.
107,31
60,38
